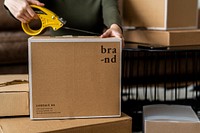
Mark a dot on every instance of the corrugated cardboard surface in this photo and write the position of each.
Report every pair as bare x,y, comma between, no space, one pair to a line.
75,77
14,98
170,119
160,14
165,38
142,13
101,125
182,13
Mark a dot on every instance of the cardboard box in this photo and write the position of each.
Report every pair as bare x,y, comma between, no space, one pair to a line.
160,14
101,125
164,38
74,77
170,119
14,95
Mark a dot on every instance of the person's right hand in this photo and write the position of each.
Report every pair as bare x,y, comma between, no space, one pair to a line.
21,9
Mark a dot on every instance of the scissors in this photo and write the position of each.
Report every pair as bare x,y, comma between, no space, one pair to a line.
48,19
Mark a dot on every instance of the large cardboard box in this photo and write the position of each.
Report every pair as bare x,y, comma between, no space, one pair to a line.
100,125
74,77
164,38
160,14
170,119
14,95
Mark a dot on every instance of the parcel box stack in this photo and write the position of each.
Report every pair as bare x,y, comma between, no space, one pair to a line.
161,22
76,79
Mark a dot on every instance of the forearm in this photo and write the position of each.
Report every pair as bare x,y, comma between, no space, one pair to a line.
21,10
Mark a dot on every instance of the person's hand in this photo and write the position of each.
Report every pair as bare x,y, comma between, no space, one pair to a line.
21,9
113,31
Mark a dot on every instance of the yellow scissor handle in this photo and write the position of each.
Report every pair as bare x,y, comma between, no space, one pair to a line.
47,18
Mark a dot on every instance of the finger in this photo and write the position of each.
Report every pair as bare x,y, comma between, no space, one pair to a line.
35,2
25,16
27,20
28,16
107,33
22,20
20,13
32,13
39,3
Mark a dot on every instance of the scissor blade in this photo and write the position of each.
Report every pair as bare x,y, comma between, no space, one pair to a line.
83,31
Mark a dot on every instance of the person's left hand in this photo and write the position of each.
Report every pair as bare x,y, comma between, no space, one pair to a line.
113,31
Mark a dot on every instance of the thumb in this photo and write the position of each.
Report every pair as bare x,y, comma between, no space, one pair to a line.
35,2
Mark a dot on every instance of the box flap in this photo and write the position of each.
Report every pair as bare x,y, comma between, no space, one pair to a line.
169,113
14,83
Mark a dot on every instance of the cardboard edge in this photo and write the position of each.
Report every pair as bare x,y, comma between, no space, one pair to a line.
161,28
29,77
166,14
183,28
12,91
121,123
78,117
73,39
148,28
120,84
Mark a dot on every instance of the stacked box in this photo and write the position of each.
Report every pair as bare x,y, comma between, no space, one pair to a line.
15,102
101,125
14,95
74,77
69,77
170,119
161,22
160,14
164,38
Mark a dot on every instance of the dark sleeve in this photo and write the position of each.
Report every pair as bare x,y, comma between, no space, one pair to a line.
111,12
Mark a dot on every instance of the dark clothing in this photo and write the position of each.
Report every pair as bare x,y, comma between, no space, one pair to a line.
90,15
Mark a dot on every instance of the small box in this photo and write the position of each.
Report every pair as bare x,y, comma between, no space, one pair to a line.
160,14
14,95
74,77
100,125
170,119
164,38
